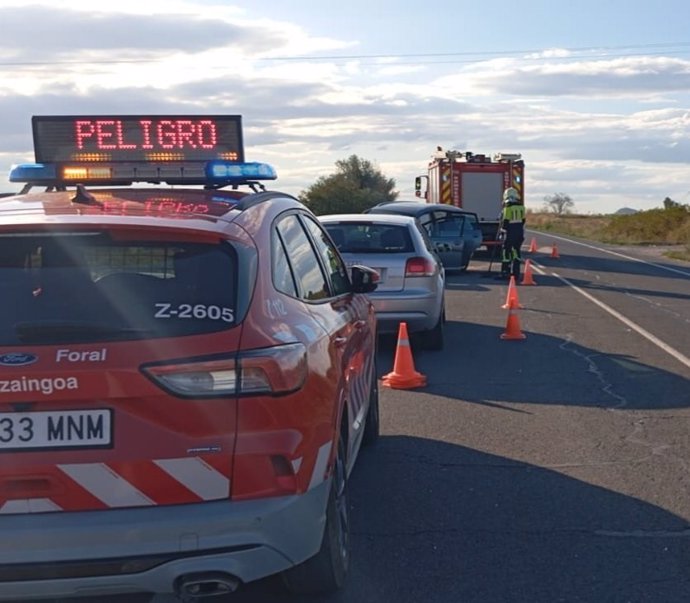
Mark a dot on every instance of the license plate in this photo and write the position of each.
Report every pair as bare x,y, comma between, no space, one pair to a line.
46,430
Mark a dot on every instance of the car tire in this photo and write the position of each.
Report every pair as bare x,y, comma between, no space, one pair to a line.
372,425
325,572
433,339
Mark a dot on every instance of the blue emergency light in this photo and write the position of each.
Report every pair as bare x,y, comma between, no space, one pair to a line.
220,171
213,174
33,172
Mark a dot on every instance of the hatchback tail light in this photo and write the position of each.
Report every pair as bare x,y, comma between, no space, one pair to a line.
268,371
419,267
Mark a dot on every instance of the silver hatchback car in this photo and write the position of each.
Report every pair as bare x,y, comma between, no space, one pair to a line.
412,278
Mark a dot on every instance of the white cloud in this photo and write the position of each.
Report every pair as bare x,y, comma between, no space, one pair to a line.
608,78
303,115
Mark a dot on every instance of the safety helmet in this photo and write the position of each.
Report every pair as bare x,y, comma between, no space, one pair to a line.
510,194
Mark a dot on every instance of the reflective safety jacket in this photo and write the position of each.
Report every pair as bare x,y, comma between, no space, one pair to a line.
513,217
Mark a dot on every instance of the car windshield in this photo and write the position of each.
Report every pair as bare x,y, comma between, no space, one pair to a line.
371,238
80,287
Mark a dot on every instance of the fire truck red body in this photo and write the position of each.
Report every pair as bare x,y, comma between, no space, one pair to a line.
475,183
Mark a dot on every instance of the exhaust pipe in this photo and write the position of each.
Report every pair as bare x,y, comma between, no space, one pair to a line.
191,588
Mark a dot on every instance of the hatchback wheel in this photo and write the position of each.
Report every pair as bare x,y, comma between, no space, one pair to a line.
325,572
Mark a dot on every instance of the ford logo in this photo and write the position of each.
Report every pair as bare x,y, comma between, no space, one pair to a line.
17,359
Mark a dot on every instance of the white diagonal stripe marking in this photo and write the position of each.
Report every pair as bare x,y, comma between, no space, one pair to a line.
198,476
106,485
29,505
319,472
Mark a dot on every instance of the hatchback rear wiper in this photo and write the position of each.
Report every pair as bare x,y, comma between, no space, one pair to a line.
49,331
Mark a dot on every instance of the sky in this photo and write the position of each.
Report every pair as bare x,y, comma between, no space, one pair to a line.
595,95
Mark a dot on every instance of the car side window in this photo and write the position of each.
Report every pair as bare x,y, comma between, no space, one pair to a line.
283,279
425,237
311,281
425,222
449,226
331,259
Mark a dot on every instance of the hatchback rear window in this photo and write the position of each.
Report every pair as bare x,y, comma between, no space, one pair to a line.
84,287
370,238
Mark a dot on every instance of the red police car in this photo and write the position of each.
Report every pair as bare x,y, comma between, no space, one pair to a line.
186,373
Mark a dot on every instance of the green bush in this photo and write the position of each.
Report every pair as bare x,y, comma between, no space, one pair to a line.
670,226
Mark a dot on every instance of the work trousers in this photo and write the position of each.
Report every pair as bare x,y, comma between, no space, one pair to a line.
510,254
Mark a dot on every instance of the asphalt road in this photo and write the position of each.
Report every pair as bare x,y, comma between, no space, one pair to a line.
550,469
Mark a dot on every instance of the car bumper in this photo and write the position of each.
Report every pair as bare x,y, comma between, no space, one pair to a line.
146,550
419,311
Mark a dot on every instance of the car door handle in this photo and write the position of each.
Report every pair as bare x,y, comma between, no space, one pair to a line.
339,342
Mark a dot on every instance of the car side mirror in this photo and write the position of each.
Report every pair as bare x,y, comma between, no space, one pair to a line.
364,279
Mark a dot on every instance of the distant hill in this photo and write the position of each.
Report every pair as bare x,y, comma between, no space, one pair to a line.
625,211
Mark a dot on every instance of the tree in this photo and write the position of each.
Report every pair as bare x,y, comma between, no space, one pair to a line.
356,185
559,203
670,203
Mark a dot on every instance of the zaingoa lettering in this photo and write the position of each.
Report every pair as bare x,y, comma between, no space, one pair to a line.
45,386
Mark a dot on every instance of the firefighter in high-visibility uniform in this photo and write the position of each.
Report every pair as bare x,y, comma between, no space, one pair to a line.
513,233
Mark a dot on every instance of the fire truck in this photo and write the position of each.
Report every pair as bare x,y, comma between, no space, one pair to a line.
475,183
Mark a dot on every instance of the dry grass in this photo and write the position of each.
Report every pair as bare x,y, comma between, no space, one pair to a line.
652,227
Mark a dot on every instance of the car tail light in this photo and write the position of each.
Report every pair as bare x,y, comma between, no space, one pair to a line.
268,371
419,267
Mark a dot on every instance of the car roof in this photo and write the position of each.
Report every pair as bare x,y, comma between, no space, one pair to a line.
393,219
415,208
196,208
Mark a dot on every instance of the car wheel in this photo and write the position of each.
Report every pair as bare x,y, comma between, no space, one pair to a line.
372,425
325,572
433,339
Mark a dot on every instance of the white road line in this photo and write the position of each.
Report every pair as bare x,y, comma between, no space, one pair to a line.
537,268
626,321
621,255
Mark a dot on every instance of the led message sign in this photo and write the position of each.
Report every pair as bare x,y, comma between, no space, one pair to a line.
152,138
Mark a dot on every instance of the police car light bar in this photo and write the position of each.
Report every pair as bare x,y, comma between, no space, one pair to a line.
212,174
107,150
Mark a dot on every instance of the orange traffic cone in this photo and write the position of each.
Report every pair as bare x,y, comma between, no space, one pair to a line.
533,246
527,278
513,326
512,300
554,251
404,375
